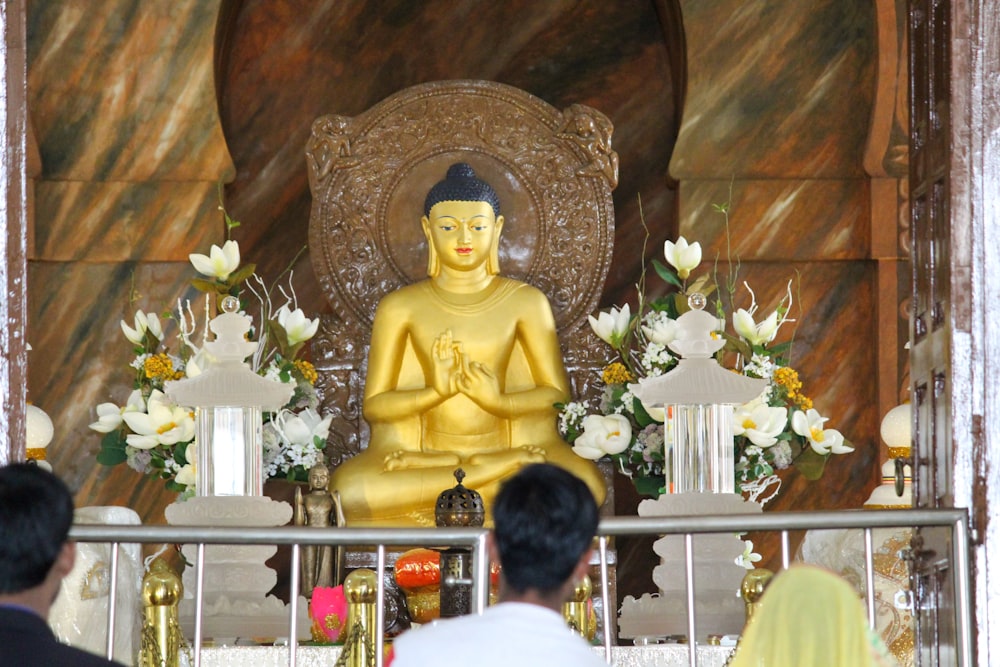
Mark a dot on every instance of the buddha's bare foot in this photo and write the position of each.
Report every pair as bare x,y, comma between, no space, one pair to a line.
510,458
404,460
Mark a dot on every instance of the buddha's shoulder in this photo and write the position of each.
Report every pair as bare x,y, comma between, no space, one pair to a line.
521,290
407,292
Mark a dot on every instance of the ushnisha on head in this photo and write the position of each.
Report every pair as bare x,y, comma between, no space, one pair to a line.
36,512
545,519
456,198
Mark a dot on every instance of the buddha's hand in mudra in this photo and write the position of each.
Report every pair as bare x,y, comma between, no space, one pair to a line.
447,364
479,383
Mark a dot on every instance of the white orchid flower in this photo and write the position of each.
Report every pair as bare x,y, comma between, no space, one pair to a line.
682,255
143,322
612,326
809,425
660,329
163,423
109,415
755,333
187,475
760,423
298,328
220,262
602,435
748,557
301,428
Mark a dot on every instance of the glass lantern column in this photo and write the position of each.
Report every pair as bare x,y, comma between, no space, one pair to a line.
700,395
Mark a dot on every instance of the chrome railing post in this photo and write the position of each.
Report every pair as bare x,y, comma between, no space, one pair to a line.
112,600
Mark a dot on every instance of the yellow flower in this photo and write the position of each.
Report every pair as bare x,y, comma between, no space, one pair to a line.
159,366
308,370
788,378
616,373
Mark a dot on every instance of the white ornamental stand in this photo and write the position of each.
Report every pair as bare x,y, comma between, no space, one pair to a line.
229,399
700,395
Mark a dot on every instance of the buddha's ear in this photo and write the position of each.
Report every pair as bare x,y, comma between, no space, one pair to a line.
433,263
493,261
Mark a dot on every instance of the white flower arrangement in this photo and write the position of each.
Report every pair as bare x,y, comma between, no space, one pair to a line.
778,429
156,437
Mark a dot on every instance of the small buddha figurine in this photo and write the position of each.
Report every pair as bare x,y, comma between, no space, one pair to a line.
316,509
464,369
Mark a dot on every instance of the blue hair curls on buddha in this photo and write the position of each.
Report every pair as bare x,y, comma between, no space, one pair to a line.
462,184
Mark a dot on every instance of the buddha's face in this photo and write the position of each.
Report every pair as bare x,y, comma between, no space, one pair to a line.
318,478
462,232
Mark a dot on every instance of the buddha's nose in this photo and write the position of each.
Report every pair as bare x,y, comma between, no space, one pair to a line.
466,234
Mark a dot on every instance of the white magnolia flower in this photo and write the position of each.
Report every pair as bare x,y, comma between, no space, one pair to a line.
298,328
755,333
220,262
760,423
660,329
186,475
612,326
602,435
143,322
682,256
109,415
163,423
809,425
301,428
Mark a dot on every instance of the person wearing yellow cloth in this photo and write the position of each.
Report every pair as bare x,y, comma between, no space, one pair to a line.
464,370
810,617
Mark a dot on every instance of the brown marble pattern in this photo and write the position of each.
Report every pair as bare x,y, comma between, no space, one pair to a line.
122,99
776,90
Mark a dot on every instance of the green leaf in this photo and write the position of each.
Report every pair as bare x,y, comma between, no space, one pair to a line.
203,285
811,464
642,418
180,453
667,274
649,486
242,273
174,486
112,449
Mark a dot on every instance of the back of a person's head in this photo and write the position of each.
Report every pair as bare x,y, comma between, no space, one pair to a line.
36,512
808,617
544,519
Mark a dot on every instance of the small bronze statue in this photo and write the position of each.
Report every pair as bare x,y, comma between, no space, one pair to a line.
318,509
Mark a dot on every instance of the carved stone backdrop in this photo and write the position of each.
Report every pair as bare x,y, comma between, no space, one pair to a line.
554,172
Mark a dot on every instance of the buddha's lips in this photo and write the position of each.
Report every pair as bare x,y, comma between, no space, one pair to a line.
463,251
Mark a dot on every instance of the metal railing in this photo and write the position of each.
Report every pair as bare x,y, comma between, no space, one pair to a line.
475,538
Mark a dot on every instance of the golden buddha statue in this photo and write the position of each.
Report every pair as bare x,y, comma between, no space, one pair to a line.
464,369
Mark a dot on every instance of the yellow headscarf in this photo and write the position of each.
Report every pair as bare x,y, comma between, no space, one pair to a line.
810,617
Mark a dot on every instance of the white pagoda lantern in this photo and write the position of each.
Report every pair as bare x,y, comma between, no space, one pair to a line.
229,400
700,396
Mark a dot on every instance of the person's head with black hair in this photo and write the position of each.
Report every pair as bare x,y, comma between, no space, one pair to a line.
544,522
36,512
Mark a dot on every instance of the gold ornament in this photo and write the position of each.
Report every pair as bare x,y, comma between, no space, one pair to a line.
162,639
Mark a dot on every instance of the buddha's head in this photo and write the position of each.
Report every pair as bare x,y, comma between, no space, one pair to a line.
319,476
462,222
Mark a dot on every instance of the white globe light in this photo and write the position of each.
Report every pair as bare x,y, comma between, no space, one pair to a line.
39,428
896,429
